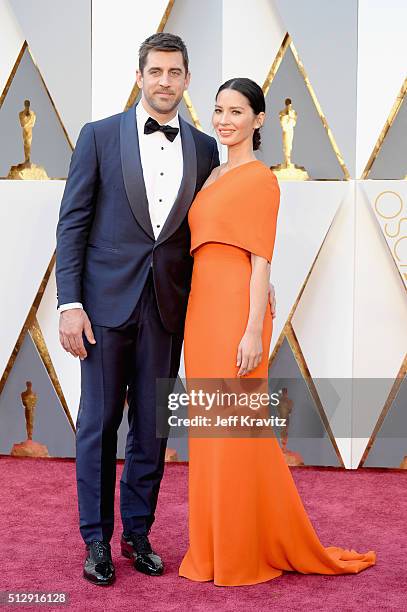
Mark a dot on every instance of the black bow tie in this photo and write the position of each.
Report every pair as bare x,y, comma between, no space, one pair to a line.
152,125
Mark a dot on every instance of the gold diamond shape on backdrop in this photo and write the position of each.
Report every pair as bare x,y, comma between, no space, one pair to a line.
25,48
32,327
288,333
386,128
385,410
288,44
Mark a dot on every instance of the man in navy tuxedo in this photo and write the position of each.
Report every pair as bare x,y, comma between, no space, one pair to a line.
123,278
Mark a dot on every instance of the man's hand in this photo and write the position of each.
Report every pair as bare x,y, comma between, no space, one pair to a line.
72,324
272,300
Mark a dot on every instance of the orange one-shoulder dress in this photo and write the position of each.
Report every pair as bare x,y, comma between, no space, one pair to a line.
247,523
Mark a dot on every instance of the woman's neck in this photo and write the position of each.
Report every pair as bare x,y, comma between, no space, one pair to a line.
240,154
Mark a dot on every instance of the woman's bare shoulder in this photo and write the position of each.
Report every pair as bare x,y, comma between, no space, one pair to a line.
213,175
216,172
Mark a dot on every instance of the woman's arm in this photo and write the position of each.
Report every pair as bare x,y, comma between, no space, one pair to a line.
250,350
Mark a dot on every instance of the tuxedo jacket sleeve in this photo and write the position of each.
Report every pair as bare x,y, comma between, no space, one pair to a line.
76,215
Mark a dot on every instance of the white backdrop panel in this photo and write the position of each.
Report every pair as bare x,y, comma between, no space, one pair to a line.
306,213
11,41
380,329
388,200
380,334
28,216
323,320
117,32
382,52
252,35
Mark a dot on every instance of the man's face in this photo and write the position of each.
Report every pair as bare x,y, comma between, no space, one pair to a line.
163,80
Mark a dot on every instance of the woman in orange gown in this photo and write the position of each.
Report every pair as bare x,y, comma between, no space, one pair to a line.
247,523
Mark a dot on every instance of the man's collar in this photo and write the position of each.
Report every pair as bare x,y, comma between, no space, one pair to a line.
142,116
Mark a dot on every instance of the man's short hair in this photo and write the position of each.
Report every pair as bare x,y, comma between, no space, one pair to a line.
162,41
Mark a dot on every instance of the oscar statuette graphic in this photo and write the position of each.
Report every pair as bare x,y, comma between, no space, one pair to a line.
284,408
403,464
27,170
29,448
287,170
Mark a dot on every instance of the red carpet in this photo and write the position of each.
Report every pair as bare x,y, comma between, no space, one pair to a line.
41,549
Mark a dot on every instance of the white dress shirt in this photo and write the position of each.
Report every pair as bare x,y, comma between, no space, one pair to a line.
162,165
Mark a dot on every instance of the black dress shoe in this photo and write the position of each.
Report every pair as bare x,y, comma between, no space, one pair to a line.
99,567
137,547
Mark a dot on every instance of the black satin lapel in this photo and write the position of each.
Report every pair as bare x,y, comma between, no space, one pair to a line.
132,170
188,184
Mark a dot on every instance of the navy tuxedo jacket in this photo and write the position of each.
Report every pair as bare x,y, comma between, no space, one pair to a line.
105,241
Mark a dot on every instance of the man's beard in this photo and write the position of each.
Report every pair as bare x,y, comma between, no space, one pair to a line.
167,110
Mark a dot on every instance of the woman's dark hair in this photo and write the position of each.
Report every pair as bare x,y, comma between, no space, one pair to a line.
162,41
255,96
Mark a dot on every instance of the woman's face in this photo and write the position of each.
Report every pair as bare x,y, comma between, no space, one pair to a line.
233,118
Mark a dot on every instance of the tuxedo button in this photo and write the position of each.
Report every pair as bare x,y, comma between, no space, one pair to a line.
161,173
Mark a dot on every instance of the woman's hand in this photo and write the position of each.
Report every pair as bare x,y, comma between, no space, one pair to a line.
249,352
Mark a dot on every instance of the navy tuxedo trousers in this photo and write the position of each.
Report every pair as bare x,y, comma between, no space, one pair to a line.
126,358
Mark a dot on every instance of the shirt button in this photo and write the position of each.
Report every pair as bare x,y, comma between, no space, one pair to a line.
162,148
158,225
161,173
160,200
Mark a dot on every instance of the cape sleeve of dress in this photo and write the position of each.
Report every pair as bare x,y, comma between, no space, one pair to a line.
241,211
257,213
